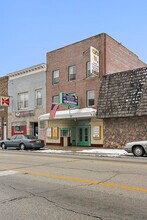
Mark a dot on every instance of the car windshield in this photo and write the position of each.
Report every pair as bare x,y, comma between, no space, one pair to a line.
30,137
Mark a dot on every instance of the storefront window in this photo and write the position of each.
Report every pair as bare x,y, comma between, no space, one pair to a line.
65,132
19,129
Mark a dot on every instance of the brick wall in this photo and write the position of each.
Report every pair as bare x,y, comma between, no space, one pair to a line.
118,131
4,92
74,54
3,109
119,58
113,57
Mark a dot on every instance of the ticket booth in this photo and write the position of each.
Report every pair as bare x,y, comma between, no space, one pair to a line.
65,133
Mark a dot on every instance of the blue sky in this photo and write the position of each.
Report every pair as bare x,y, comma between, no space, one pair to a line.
31,28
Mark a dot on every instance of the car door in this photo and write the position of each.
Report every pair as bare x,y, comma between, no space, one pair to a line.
18,140
11,141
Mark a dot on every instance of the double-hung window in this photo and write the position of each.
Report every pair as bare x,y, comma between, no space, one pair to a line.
23,100
90,98
55,99
71,73
55,77
88,74
38,97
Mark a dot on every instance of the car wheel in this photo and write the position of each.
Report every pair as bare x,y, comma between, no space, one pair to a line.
22,146
3,146
138,151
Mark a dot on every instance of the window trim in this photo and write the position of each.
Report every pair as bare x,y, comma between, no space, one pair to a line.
36,97
87,100
53,77
53,100
69,74
23,104
88,74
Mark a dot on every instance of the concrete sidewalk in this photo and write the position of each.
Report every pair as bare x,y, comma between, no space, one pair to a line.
85,150
69,148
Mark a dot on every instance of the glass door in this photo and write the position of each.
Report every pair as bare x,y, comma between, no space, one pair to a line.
84,136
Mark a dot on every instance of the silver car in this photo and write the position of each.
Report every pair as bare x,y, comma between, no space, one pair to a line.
22,142
138,148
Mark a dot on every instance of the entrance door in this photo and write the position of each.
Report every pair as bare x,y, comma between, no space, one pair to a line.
35,129
73,136
84,136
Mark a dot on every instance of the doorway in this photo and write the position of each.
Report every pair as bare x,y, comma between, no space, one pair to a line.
84,136
36,129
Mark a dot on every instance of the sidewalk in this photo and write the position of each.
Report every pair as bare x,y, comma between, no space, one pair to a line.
85,150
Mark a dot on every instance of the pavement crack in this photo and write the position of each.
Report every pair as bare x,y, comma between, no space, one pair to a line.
16,199
70,210
110,178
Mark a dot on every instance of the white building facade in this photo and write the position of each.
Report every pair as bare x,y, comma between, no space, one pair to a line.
27,92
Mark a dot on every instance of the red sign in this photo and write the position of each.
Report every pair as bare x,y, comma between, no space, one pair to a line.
5,101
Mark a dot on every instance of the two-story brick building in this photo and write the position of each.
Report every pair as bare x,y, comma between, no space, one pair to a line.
68,71
27,91
3,108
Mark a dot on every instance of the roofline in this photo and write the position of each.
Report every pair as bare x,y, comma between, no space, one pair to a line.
126,71
106,35
28,69
76,42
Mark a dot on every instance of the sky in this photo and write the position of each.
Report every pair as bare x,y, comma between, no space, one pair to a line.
31,28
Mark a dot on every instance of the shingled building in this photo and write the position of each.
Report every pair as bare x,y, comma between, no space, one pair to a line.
123,107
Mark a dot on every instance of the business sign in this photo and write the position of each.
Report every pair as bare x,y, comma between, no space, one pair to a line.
94,61
68,99
5,101
97,132
24,113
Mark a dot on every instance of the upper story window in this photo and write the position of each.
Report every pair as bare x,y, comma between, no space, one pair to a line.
23,100
90,98
55,99
38,96
88,74
55,77
71,73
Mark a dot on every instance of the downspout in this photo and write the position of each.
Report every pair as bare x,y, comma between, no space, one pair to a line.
105,57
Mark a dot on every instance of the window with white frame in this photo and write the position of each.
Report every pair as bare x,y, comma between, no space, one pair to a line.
71,73
88,74
23,100
90,98
55,99
55,77
38,96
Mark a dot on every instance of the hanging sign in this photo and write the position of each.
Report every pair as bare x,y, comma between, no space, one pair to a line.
68,99
94,61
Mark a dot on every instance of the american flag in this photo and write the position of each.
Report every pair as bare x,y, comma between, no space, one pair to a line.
54,108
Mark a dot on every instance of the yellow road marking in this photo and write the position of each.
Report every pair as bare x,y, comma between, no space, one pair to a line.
49,175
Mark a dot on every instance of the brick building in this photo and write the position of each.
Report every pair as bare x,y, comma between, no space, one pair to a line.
3,109
27,90
68,72
123,107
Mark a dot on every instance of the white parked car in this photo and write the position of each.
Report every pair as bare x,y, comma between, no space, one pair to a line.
138,148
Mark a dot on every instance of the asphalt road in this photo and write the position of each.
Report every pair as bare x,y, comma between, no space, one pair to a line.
37,186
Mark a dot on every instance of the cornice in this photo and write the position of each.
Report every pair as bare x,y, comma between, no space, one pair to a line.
27,71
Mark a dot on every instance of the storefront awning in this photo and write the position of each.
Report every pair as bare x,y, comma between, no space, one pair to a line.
67,114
